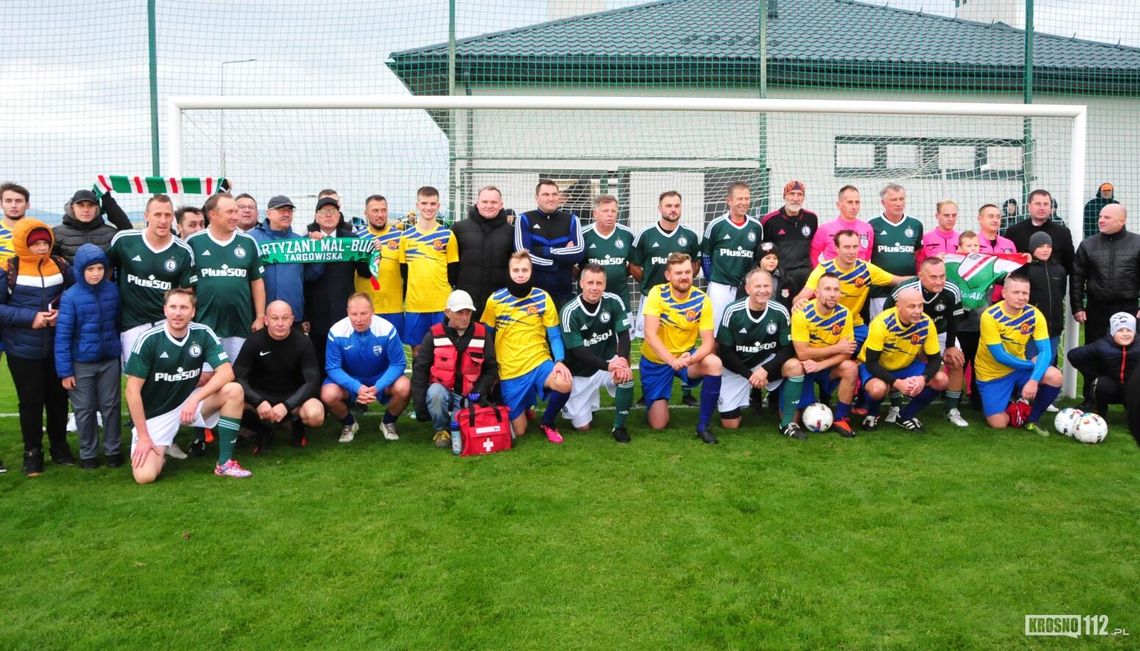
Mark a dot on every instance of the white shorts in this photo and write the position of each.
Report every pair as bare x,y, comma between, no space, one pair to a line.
875,305
232,346
736,390
586,397
720,296
639,322
163,427
942,342
128,338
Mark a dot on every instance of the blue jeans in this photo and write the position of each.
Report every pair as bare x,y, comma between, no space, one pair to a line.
442,404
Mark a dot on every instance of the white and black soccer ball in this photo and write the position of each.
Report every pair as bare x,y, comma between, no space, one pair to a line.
1090,428
817,417
1066,419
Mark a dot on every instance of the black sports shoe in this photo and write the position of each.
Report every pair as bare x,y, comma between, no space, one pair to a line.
89,464
197,447
621,435
298,439
794,431
114,460
912,424
843,427
707,436
870,423
63,457
1087,407
34,462
3,468
688,400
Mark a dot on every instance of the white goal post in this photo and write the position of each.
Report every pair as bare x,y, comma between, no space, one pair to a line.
1077,114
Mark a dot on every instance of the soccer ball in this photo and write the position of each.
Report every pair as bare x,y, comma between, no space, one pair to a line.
1090,428
1018,412
1065,420
817,417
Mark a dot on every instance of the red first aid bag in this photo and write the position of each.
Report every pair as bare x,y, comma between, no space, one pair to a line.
484,430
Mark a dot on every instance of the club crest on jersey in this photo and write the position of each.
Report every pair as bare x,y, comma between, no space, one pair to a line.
170,264
836,329
239,252
682,241
864,242
909,232
619,244
393,244
859,282
377,350
532,310
915,338
1025,328
195,350
771,328
692,315
604,317
939,308
785,292
806,230
439,245
751,236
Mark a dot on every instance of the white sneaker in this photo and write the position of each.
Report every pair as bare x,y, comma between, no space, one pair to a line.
389,431
71,426
955,416
175,452
348,432
1052,408
892,415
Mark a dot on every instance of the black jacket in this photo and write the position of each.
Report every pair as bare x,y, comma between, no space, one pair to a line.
1020,233
421,366
72,233
1092,214
325,297
485,247
1104,357
1048,284
1106,269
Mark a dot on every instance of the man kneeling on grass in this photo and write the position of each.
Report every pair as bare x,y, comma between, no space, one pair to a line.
163,393
364,363
529,348
595,328
455,360
1004,363
755,338
675,313
278,372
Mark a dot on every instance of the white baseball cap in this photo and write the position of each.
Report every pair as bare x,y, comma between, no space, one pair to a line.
460,300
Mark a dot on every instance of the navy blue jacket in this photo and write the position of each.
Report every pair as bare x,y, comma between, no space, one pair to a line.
87,329
555,245
1104,357
38,286
286,281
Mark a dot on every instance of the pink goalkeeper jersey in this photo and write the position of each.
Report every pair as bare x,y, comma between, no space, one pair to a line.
935,243
823,244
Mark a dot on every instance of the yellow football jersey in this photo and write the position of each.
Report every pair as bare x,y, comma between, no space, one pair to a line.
681,320
854,284
427,256
899,344
6,250
1012,331
819,330
520,330
389,299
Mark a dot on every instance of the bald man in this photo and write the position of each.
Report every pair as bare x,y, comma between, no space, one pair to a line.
278,370
1105,278
892,359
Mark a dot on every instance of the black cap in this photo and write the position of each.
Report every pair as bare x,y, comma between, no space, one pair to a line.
84,195
327,201
280,201
768,248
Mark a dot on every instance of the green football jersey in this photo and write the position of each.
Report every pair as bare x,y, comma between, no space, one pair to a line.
940,307
597,331
731,248
756,338
170,367
894,248
652,247
225,270
611,252
145,273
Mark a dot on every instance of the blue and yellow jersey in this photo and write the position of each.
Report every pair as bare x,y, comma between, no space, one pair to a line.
1012,331
900,344
389,299
427,255
854,284
6,250
520,330
681,319
819,330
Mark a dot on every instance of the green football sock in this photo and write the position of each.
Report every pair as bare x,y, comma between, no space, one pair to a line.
793,389
953,398
623,399
227,430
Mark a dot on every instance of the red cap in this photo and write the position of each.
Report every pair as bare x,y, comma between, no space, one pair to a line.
39,235
794,185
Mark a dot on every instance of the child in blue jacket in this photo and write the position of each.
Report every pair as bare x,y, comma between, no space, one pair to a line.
87,355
